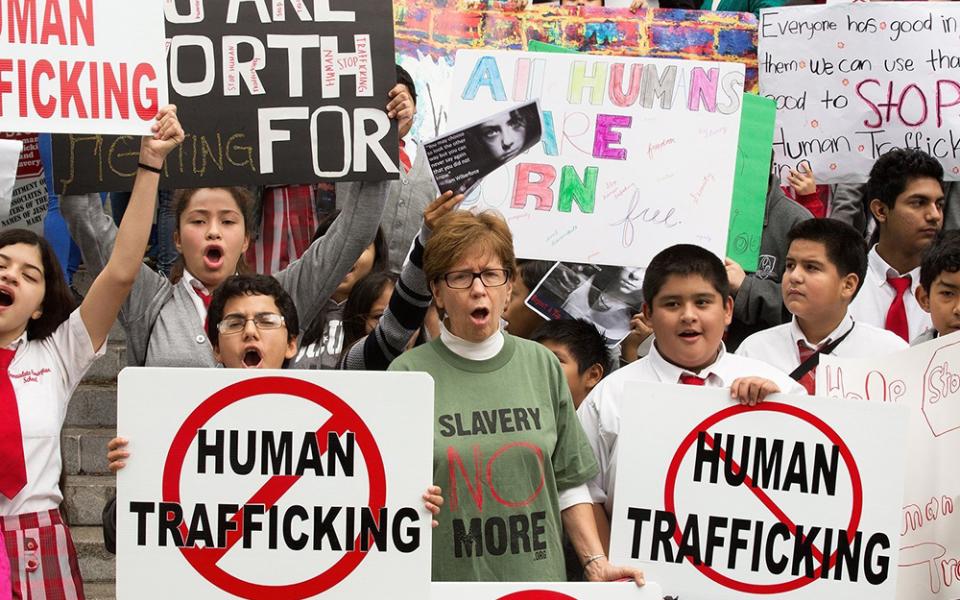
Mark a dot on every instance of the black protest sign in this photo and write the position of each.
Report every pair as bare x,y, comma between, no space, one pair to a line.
269,92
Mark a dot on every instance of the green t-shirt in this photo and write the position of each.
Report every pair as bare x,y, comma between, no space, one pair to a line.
506,439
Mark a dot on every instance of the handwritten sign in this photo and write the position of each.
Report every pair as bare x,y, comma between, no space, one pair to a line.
273,484
854,80
269,93
81,67
925,379
636,154
795,498
544,591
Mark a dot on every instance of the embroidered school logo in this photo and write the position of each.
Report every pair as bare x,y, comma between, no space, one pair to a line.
30,376
766,266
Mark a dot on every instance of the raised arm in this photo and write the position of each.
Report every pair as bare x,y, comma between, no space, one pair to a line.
110,288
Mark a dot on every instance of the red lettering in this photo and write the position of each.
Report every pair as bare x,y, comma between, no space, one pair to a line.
70,90
476,491
44,109
94,91
940,104
525,186
114,92
455,463
53,24
82,19
493,490
24,20
923,103
149,110
22,80
6,87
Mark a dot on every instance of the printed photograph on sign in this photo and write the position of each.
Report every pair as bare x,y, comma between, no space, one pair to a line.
462,158
545,591
797,497
279,484
606,296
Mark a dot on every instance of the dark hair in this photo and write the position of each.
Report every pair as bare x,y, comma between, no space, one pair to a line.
942,255
404,78
845,247
582,340
357,307
58,301
245,203
251,285
684,260
532,272
893,171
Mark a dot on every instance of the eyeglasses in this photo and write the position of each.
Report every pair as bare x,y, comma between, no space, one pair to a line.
461,280
263,321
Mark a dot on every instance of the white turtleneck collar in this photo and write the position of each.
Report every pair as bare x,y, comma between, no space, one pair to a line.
484,350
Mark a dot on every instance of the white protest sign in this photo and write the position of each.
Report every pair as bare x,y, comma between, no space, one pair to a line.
926,380
723,501
545,591
71,66
9,163
26,206
637,154
274,484
855,80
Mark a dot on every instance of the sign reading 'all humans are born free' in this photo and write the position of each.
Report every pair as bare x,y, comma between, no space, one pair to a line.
797,497
269,93
636,154
273,484
854,80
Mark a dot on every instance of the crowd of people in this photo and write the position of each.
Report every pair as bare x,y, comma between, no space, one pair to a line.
397,278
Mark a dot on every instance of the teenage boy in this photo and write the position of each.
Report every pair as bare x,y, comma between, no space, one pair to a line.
826,263
581,350
939,290
252,323
905,197
687,303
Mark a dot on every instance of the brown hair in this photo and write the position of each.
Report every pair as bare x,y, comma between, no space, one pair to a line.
240,195
460,232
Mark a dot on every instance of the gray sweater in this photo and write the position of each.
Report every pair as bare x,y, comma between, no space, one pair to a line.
160,318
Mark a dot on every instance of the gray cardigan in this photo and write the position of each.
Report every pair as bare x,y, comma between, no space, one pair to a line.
160,318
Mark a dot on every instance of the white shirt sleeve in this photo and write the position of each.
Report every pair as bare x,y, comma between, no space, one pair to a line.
575,495
589,415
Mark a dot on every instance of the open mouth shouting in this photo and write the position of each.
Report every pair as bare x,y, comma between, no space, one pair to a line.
252,358
480,316
213,257
6,297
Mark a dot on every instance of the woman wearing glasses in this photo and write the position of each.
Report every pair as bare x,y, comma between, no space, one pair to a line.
508,450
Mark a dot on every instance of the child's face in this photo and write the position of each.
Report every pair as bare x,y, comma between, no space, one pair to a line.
212,236
254,348
812,287
943,302
521,321
22,288
688,317
580,383
916,216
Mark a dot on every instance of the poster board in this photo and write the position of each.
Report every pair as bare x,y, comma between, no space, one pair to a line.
544,591
717,496
29,200
305,484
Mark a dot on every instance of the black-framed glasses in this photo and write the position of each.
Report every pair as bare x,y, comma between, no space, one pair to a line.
461,280
263,321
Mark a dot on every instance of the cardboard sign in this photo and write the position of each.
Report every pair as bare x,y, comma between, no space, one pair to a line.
636,153
797,497
544,591
273,484
855,80
925,380
81,67
269,93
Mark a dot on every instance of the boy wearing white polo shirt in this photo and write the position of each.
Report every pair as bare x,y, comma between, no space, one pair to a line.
826,263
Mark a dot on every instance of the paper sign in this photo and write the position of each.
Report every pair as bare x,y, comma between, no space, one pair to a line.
625,169
9,161
535,46
81,67
751,181
545,591
796,498
925,380
855,80
269,93
273,484
26,206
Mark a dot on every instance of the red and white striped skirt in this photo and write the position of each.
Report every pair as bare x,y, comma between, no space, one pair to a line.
43,561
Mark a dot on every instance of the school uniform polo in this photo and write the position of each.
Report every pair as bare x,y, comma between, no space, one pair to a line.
780,346
875,296
600,411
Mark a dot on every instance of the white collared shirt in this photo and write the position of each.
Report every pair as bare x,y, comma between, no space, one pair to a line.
192,284
873,301
777,346
44,374
600,411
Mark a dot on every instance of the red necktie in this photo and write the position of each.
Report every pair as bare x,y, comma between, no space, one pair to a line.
206,299
691,380
13,466
897,314
404,157
809,379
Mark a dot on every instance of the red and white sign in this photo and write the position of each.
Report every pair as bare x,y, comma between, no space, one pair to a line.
81,66
925,379
797,497
273,484
545,591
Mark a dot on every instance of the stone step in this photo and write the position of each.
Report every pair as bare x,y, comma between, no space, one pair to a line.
100,591
107,367
85,450
84,497
96,564
93,405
